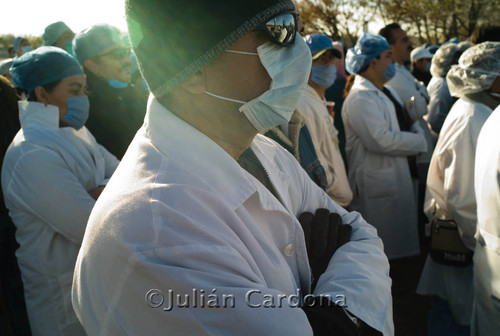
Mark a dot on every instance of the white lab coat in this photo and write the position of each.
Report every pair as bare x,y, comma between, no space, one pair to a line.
450,192
406,87
46,175
324,137
486,312
440,102
180,214
378,167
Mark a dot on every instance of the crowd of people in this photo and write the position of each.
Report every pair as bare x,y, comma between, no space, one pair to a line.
230,177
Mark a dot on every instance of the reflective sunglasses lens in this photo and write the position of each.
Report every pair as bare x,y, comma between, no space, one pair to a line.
282,28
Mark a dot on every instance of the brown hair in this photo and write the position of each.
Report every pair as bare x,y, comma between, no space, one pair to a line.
348,84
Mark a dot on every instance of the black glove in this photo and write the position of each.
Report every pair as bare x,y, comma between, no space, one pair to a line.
324,234
327,319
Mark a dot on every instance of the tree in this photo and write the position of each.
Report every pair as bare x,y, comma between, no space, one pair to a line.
339,19
437,21
433,21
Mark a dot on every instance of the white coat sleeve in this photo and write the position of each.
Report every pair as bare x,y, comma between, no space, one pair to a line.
371,128
218,265
418,108
358,273
43,185
110,162
407,87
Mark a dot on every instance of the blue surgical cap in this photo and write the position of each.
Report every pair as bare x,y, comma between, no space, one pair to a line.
17,43
91,41
53,32
43,66
367,48
319,43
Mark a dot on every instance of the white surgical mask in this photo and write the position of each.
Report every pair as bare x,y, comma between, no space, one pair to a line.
289,69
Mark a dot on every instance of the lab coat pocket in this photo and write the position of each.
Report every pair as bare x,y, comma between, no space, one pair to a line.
379,183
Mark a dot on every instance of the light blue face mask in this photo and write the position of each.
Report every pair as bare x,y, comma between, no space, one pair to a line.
391,72
115,83
27,49
324,75
78,111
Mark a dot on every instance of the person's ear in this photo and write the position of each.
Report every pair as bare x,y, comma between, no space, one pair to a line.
196,83
41,95
92,66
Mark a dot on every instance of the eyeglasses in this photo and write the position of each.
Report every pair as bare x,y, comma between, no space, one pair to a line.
327,56
117,54
281,29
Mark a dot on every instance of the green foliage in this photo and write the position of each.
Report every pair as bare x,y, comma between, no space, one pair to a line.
7,40
339,19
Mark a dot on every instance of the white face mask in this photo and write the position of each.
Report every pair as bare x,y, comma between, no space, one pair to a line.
289,69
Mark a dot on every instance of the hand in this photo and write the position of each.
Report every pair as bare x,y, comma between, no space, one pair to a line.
415,128
324,234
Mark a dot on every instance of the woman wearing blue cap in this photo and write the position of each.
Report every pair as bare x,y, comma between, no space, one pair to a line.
52,174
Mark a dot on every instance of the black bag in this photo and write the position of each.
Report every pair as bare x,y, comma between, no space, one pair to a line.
447,247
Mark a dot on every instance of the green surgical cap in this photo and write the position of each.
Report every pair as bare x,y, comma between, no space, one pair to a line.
53,32
43,66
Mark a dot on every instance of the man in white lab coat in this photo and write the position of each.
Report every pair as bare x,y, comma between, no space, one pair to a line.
415,98
185,241
486,309
312,105
413,93
450,184
377,148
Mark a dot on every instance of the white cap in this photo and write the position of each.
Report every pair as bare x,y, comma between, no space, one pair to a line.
419,53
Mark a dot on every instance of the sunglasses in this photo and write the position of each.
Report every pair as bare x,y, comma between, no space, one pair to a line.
117,54
281,29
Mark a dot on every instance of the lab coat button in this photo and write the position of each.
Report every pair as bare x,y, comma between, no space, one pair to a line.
289,250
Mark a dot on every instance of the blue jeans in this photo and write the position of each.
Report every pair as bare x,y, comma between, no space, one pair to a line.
441,321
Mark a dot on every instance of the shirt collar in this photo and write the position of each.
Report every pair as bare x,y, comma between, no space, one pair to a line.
185,144
402,69
364,84
38,114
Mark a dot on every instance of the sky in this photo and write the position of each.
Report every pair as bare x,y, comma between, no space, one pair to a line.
34,15
30,17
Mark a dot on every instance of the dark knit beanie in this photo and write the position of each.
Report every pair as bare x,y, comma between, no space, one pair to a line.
173,39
